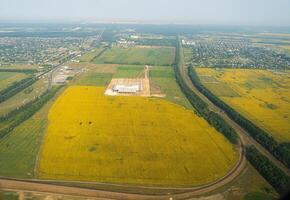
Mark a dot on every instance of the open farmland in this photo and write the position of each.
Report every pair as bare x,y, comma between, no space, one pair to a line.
125,140
163,83
87,57
260,95
24,96
131,71
20,67
138,55
8,78
19,149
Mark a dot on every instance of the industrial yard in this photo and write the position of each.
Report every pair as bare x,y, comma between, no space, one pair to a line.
130,87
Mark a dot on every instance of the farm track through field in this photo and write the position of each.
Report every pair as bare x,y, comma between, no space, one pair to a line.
243,134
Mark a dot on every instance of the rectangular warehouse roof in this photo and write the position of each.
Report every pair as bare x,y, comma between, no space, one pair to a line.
126,88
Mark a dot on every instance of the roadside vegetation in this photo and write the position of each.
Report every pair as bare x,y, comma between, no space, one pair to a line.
200,106
16,117
23,96
9,78
276,177
22,137
16,87
90,56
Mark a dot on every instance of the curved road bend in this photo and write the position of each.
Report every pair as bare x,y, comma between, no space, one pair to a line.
244,135
33,186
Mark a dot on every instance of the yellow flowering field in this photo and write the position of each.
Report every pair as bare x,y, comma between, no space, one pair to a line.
133,140
260,95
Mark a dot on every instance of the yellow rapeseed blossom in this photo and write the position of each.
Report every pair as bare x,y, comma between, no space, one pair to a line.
134,140
262,96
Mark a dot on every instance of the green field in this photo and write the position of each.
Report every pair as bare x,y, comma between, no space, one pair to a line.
93,78
19,66
8,78
19,149
23,97
138,56
129,71
88,57
248,185
163,80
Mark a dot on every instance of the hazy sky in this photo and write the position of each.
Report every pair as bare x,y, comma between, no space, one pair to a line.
246,12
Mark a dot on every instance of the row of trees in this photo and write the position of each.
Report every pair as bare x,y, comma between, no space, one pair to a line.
275,176
16,87
28,71
99,54
155,42
280,150
18,116
201,107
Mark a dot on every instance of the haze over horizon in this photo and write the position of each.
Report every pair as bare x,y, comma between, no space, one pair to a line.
213,12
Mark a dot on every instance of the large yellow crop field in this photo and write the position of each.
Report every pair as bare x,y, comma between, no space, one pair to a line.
260,95
133,140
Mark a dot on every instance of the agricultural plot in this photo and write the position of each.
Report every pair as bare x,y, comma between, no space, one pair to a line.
138,55
260,95
88,57
133,71
93,74
23,97
8,78
19,149
19,66
163,83
94,79
133,140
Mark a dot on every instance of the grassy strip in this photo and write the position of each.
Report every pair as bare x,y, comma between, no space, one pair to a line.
280,151
275,176
16,87
29,71
19,116
202,108
99,54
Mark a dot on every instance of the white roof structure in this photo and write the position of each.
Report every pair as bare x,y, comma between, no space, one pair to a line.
126,88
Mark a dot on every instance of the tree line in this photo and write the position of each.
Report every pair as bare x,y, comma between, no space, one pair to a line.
28,71
280,150
16,87
275,176
155,42
200,106
21,114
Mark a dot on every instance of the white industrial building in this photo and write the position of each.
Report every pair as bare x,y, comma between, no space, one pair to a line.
121,88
